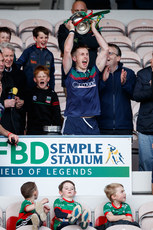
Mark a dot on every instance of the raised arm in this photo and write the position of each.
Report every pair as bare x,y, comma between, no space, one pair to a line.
103,54
67,58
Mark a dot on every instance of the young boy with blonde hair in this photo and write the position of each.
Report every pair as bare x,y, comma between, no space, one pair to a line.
117,211
67,211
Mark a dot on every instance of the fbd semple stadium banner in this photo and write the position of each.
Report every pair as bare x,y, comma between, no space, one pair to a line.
91,162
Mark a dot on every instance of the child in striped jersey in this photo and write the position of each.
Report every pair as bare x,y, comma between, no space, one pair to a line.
67,211
117,211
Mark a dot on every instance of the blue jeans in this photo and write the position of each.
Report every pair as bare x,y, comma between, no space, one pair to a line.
145,152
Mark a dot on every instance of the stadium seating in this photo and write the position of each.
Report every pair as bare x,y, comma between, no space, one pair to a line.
62,100
123,227
18,53
26,27
122,41
131,58
11,25
29,227
1,220
112,26
99,215
16,42
57,57
146,58
12,213
57,27
76,227
133,66
144,44
139,27
146,216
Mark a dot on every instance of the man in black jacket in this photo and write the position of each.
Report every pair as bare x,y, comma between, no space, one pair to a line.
14,116
143,93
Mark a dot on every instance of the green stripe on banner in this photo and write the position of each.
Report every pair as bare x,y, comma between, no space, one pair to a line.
3,144
115,171
111,171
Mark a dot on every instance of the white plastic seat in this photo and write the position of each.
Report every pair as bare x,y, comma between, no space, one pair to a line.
99,215
123,227
57,25
77,227
58,87
122,41
26,27
16,42
133,66
12,212
139,27
144,44
52,44
112,26
58,71
18,53
29,42
29,227
1,220
146,59
62,101
146,216
11,25
57,57
131,58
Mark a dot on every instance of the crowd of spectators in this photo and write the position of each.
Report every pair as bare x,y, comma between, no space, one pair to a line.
100,88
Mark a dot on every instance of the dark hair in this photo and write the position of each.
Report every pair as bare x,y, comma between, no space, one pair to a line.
27,189
38,29
119,53
78,46
41,68
60,187
5,30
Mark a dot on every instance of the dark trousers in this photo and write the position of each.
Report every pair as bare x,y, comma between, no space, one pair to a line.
109,224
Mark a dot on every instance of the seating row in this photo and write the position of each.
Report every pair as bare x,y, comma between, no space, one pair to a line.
114,31
143,215
136,28
144,41
130,58
108,25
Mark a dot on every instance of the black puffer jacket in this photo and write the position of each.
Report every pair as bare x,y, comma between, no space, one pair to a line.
143,93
